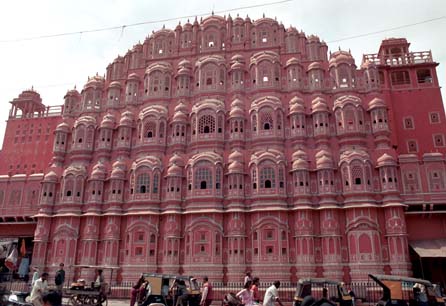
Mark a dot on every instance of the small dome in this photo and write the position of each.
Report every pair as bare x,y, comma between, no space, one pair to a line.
386,160
115,84
377,103
118,167
179,117
176,159
96,81
63,127
235,167
292,61
181,107
174,170
237,58
314,66
117,173
72,93
236,112
297,105
185,63
237,66
99,171
292,30
133,77
319,105
237,103
299,154
341,57
126,119
236,155
187,26
51,176
300,164
108,121
313,38
324,162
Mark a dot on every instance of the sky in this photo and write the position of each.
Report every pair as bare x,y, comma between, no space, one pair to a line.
54,65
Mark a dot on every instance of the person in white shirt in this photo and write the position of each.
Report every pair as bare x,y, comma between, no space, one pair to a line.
247,278
39,288
272,295
35,276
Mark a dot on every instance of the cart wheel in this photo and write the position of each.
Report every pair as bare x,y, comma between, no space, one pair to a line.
76,300
92,300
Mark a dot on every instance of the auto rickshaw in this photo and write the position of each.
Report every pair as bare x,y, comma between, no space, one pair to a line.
401,291
160,288
319,291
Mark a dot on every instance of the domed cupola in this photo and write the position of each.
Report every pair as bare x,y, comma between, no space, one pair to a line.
61,140
342,70
236,173
72,102
325,173
388,173
319,112
174,177
379,118
297,116
316,76
92,94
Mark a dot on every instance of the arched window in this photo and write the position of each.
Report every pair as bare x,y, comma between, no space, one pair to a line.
206,124
142,183
203,178
357,174
267,177
266,119
150,129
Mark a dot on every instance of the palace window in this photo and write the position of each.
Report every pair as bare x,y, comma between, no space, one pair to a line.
203,178
267,178
143,183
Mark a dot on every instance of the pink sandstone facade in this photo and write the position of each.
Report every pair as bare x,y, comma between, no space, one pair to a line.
230,145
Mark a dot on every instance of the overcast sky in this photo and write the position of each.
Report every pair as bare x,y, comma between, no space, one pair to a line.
54,65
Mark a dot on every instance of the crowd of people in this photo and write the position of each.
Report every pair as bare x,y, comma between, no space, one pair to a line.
41,295
249,295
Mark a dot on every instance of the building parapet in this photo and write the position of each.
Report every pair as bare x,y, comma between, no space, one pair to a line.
410,58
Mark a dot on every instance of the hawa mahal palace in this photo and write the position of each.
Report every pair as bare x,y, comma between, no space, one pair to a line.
229,145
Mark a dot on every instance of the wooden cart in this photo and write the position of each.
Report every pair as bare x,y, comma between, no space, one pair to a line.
87,293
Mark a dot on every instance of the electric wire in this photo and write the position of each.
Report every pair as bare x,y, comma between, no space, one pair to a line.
124,26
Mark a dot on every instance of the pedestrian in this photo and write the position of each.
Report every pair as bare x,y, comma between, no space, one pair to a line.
272,295
207,294
247,278
182,293
60,278
245,295
52,298
135,289
36,276
39,288
255,290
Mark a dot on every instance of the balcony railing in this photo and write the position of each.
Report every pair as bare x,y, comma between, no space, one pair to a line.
399,59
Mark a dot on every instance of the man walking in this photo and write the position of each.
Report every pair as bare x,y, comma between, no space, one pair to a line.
207,294
272,295
60,278
39,288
